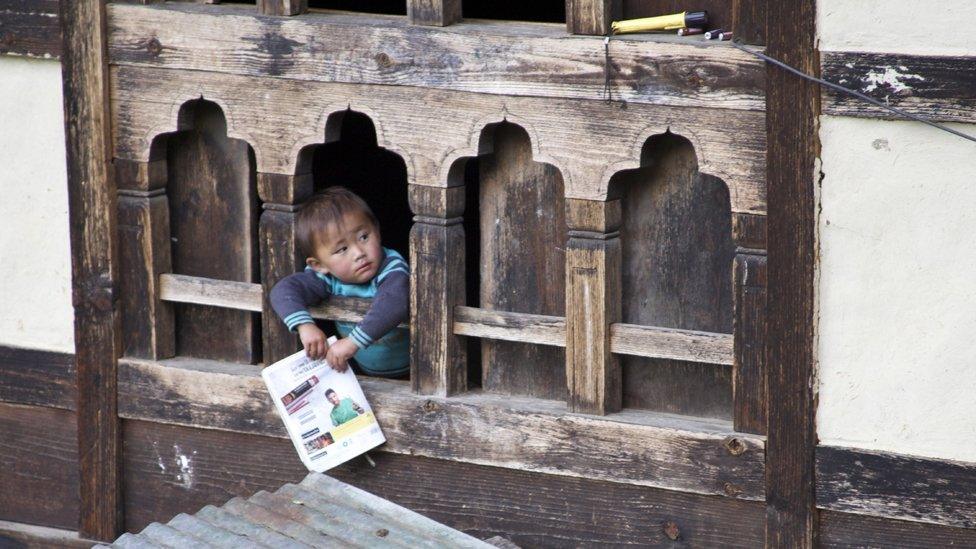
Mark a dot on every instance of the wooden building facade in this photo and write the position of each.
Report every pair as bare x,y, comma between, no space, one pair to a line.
612,247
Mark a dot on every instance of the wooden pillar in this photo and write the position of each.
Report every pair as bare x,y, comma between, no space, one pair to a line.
792,111
592,16
282,7
749,366
438,359
94,269
593,262
281,195
144,254
437,13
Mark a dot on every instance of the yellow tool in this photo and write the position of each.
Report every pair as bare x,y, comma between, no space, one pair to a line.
681,20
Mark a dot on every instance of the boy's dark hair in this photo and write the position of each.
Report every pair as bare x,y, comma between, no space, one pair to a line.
325,209
329,391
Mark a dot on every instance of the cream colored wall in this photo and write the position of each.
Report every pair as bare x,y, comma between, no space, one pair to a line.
897,270
35,260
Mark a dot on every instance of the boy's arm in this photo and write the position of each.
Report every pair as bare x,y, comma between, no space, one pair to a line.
390,307
292,295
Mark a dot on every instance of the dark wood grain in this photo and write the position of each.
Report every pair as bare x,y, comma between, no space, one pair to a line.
38,378
94,264
30,27
792,110
677,258
279,258
522,261
592,16
530,509
896,486
938,87
850,531
749,369
38,466
438,13
214,218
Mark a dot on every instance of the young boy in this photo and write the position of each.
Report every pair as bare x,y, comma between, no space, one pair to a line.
340,236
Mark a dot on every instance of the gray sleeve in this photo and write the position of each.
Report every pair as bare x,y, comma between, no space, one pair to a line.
391,306
292,296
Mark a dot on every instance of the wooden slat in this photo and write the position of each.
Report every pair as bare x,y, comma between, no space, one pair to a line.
469,56
884,484
39,378
507,326
553,511
92,214
938,87
846,530
672,344
30,27
792,111
749,364
631,447
431,129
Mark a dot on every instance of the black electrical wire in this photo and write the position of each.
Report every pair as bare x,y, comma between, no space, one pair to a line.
855,93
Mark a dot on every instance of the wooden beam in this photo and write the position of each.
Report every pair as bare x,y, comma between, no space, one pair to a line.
92,214
671,343
30,27
592,16
432,129
938,87
282,7
845,530
438,13
438,357
749,367
885,484
592,304
18,534
38,378
552,510
630,447
506,326
792,110
469,56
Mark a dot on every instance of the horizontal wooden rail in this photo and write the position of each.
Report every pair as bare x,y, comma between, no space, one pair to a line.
686,345
625,339
246,296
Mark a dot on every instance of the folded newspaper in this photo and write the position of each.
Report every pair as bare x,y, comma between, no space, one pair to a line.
325,412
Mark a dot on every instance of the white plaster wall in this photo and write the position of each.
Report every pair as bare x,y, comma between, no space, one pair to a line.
897,237
35,260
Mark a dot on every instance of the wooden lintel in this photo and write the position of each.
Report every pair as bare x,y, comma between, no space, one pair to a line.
631,447
468,56
438,13
792,111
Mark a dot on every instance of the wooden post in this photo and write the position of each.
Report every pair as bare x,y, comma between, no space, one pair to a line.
282,7
438,13
749,367
792,110
144,254
592,16
593,262
438,359
92,214
280,257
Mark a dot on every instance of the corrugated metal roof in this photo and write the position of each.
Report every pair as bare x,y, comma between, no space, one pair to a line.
319,512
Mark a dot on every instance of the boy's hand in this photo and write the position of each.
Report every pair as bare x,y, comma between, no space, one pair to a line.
314,340
340,352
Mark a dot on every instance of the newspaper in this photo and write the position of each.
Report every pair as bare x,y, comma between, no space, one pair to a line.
325,412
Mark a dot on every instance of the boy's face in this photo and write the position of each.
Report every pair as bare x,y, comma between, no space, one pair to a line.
333,398
349,250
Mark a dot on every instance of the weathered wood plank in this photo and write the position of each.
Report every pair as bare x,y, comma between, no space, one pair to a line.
38,466
438,13
279,258
522,264
30,27
39,378
672,344
438,357
94,264
793,108
587,141
938,87
19,535
847,530
552,511
749,368
899,486
632,447
469,56
506,326
592,16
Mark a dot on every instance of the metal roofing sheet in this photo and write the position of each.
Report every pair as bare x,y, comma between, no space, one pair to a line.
319,512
